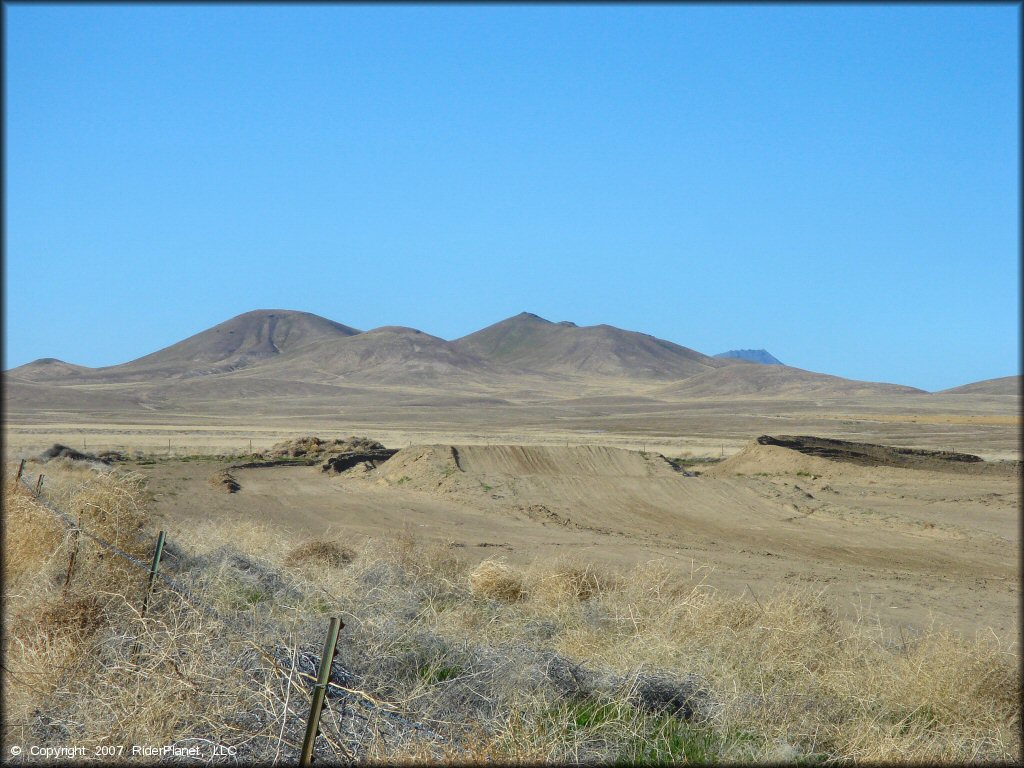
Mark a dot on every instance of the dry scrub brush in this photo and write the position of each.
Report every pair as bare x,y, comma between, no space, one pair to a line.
107,503
55,582
790,678
496,580
81,665
320,553
443,659
84,666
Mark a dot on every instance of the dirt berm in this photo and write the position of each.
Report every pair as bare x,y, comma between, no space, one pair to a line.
432,463
785,453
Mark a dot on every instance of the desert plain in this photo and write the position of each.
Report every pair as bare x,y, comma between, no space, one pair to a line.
531,440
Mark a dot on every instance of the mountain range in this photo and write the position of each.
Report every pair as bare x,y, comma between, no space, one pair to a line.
288,356
312,348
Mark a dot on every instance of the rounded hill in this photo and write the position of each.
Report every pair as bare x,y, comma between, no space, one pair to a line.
1006,385
531,343
234,344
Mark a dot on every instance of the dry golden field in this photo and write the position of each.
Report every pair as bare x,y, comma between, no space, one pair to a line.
447,655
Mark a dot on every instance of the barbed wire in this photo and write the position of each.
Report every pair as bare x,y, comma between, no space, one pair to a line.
382,708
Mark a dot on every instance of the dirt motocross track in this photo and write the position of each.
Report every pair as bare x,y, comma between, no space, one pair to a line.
914,546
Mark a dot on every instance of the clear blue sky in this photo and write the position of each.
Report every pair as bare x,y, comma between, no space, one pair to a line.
837,184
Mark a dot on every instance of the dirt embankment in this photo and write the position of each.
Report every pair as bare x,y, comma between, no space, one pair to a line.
785,453
579,461
434,465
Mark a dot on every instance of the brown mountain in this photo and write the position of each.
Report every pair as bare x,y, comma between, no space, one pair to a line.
242,341
237,343
531,343
386,355
47,369
749,379
296,360
1005,385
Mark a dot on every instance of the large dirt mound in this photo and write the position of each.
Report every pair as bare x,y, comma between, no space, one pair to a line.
822,455
577,461
437,462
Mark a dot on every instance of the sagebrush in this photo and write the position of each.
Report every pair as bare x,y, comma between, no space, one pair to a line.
446,659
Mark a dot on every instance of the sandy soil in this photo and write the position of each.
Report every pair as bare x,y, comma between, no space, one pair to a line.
912,546
988,427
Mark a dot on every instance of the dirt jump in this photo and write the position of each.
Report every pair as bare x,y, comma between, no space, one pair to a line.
877,525
821,455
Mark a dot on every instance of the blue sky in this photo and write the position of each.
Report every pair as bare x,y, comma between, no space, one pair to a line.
837,184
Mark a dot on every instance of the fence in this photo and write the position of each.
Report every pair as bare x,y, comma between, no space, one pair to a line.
319,684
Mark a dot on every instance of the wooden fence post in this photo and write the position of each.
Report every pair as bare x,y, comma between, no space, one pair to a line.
21,468
319,692
39,483
152,570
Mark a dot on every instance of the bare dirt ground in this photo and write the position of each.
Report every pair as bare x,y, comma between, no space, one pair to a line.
986,426
914,547
911,545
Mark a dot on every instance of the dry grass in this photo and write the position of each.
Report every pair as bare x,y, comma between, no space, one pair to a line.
52,580
501,664
496,580
320,553
567,580
931,418
108,504
33,534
